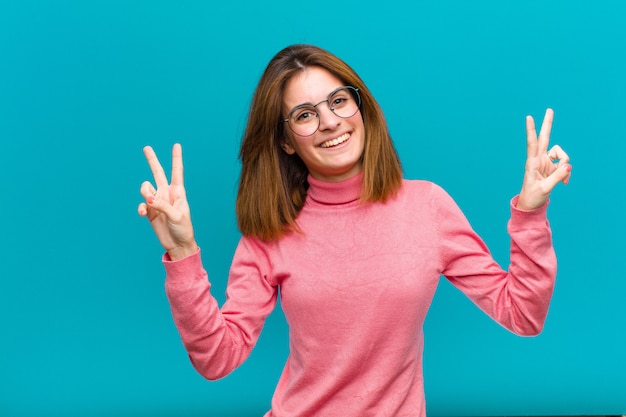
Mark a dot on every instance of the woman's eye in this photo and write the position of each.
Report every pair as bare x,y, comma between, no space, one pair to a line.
304,116
338,101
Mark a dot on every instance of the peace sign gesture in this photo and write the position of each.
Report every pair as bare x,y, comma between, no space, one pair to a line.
166,206
544,168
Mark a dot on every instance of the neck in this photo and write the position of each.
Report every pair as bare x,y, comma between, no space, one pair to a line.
340,192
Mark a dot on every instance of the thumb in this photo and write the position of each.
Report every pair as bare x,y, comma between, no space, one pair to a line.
164,207
561,174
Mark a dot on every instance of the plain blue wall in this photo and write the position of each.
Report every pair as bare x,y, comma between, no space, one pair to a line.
84,85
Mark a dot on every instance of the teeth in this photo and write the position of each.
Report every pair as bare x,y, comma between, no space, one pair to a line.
335,142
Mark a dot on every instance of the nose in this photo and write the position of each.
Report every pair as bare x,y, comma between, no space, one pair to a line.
328,119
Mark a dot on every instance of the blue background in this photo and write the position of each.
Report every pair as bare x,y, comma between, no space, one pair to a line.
84,85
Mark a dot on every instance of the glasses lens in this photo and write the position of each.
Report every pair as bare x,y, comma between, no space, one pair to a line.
304,120
345,102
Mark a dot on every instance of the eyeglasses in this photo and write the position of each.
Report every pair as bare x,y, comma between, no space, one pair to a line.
304,120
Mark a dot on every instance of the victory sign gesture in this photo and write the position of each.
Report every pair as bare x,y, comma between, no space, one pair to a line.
544,168
166,206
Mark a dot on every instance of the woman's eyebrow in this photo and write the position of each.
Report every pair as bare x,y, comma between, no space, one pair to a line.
310,103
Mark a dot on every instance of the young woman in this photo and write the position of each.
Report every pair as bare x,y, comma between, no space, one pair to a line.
355,250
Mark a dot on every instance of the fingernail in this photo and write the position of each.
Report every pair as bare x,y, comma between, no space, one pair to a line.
567,167
150,200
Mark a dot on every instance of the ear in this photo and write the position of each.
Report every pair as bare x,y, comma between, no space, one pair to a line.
287,148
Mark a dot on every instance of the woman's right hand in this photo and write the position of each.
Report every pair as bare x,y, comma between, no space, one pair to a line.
166,206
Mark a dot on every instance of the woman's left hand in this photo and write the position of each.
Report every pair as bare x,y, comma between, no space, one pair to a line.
544,168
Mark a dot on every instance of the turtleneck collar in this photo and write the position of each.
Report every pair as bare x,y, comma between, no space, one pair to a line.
341,192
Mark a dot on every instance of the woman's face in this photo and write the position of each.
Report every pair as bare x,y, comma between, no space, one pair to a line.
333,152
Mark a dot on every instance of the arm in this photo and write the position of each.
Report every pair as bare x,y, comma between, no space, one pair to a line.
517,299
217,340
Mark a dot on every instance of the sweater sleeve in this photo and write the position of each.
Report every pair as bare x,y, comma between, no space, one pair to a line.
220,339
517,299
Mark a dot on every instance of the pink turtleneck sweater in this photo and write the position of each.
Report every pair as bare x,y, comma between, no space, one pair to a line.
355,287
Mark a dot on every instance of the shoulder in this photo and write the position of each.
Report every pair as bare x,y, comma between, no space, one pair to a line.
422,189
418,185
427,195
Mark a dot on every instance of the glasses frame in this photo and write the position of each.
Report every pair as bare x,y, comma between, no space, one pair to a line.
353,90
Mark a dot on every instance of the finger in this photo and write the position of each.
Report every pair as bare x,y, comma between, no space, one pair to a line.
561,174
157,170
546,129
563,161
557,153
147,190
162,206
569,175
145,211
177,164
531,137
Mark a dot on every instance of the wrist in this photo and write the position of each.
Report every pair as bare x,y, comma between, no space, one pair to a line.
528,201
181,252
522,205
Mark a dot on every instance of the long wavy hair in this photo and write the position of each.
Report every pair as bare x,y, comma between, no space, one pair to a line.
273,184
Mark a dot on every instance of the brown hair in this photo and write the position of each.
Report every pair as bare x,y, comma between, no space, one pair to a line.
273,184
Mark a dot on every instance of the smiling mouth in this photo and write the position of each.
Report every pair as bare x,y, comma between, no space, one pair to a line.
335,142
